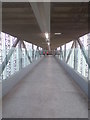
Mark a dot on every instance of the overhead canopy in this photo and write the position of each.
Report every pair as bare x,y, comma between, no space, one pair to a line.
29,21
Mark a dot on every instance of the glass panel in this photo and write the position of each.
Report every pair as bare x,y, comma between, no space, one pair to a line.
77,60
19,58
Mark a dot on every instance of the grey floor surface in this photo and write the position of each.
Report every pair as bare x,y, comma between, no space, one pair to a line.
89,114
46,92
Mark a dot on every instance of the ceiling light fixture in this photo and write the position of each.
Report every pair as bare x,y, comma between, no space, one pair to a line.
58,33
47,35
48,43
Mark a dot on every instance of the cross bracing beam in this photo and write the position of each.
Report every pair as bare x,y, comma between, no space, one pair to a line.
75,55
70,52
20,55
84,52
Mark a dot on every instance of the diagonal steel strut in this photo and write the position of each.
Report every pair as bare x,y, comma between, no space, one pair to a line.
84,52
70,52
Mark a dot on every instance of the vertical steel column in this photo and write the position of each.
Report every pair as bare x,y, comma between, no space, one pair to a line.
26,52
20,55
32,52
39,51
89,55
65,52
36,52
75,55
61,54
89,59
56,51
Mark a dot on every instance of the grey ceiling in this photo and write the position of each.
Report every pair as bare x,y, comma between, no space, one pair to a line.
29,21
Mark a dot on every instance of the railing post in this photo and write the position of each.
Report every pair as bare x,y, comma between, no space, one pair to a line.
20,55
61,54
39,51
75,55
36,52
65,52
29,58
32,52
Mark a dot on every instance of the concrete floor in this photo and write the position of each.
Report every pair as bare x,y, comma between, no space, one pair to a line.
47,92
89,114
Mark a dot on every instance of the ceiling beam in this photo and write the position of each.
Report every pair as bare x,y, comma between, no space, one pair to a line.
42,14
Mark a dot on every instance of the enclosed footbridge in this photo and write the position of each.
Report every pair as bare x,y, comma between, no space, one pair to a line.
45,60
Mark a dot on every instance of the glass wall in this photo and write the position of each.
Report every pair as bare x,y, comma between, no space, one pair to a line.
20,57
74,56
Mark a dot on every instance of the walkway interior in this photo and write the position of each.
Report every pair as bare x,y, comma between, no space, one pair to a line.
46,92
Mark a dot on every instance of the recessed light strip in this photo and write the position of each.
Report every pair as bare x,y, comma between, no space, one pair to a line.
47,35
58,33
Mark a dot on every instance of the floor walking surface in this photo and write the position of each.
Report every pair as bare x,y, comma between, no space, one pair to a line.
46,92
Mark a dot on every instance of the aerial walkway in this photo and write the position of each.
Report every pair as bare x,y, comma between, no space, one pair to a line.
37,86
46,92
